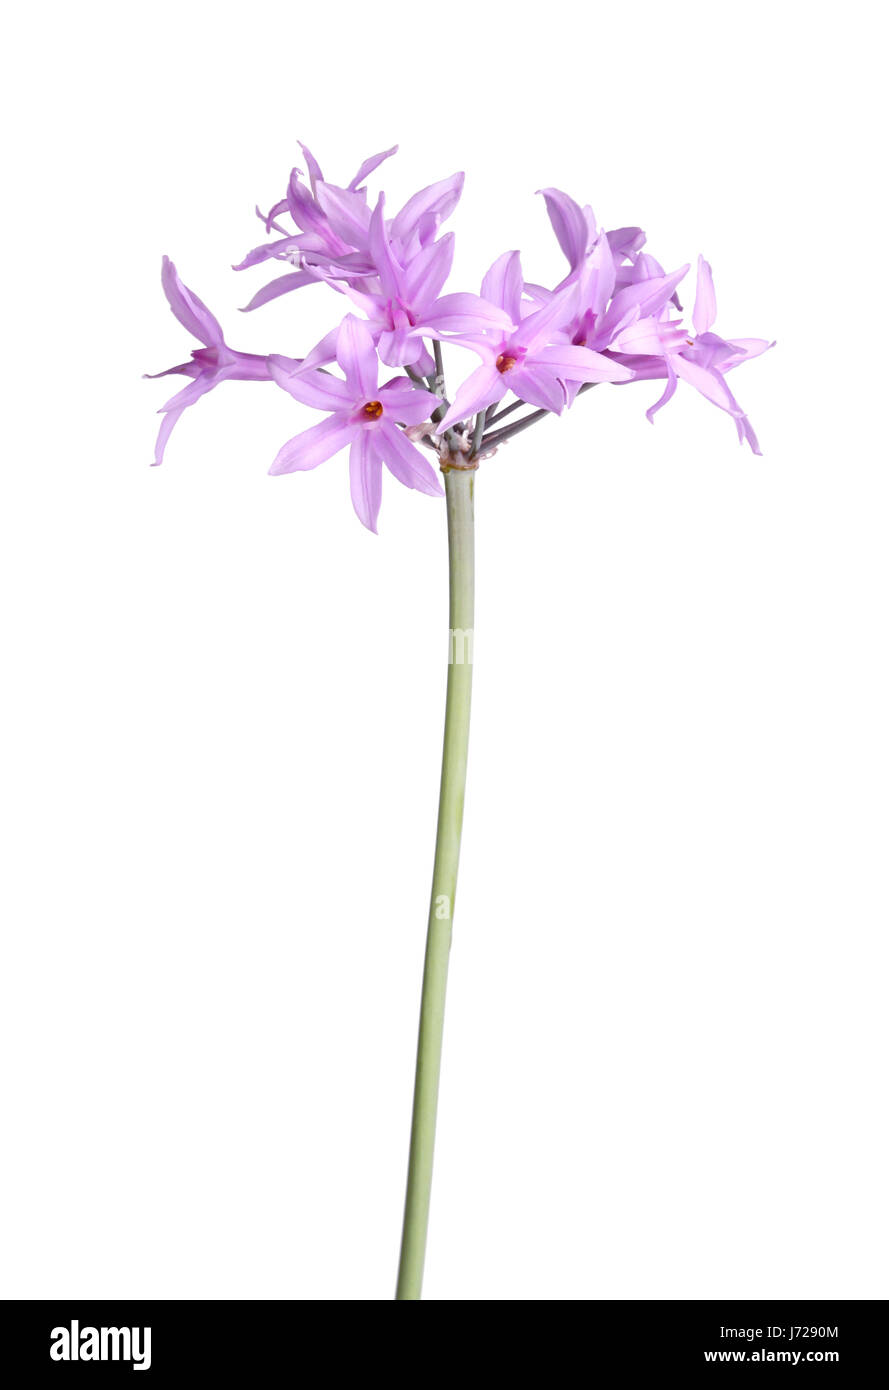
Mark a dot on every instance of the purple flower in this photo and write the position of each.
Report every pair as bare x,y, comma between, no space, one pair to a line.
363,415
408,304
703,360
530,360
332,241
211,364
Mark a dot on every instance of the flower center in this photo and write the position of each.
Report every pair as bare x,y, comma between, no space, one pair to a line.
505,362
373,410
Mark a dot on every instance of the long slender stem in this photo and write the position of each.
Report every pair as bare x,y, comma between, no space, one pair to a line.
502,414
500,436
459,487
507,431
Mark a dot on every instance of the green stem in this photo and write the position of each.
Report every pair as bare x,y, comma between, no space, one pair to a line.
459,487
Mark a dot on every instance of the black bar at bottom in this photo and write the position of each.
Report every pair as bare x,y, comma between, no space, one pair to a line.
281,1342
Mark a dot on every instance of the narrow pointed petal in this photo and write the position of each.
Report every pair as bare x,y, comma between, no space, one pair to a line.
347,213
746,434
314,168
372,305
356,354
323,352
368,167
503,285
539,386
651,336
668,393
320,390
626,241
303,209
645,296
183,369
580,364
270,219
170,419
745,349
405,462
709,383
366,478
425,211
314,445
428,271
275,288
406,403
704,313
537,327
568,223
481,388
192,392
285,249
465,313
598,277
191,312
392,278
173,413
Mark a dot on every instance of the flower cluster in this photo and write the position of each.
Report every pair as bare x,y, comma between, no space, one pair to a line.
614,317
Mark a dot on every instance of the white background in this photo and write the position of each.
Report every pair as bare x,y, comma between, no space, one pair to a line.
665,1051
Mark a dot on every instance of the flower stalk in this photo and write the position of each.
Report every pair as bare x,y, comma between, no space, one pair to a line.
459,490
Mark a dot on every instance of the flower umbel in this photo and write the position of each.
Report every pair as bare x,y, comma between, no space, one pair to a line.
614,317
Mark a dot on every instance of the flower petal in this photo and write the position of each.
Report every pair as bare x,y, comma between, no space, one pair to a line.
368,167
745,349
314,445
390,272
275,288
192,392
747,434
580,364
366,478
626,241
171,415
170,419
348,214
314,168
305,212
647,296
709,383
427,272
569,224
537,327
357,357
191,312
282,250
406,403
405,462
481,388
317,389
704,313
503,284
668,392
425,211
539,386
399,347
464,313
